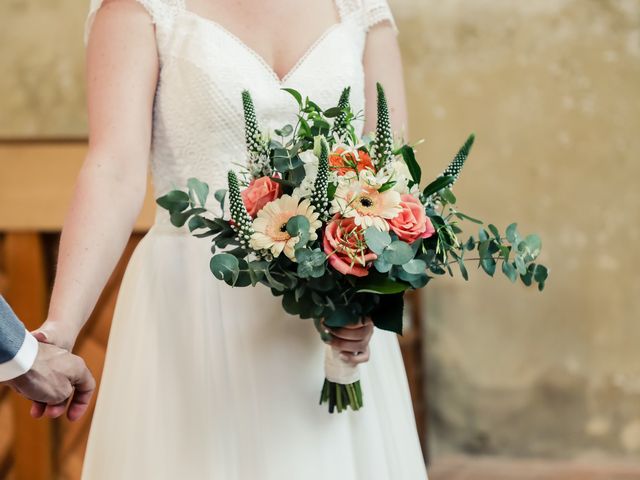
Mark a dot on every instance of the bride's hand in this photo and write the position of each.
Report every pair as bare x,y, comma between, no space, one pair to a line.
352,341
55,333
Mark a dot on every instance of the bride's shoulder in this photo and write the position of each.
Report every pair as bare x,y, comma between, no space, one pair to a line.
372,12
160,12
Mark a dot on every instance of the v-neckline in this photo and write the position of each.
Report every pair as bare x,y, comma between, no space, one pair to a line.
280,81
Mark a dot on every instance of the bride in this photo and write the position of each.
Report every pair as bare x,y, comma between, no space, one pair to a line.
201,380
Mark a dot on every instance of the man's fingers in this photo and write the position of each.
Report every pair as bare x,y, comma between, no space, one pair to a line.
37,409
85,384
54,411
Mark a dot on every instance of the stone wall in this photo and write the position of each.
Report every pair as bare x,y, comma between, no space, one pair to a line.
552,89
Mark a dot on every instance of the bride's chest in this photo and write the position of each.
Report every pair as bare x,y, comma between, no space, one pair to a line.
204,68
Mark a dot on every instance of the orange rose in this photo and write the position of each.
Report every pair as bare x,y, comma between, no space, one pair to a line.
412,222
342,162
345,247
260,192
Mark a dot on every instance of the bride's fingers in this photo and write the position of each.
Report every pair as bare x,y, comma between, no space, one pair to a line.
356,358
349,346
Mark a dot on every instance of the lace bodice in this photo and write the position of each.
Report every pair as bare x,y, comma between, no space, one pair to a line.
198,128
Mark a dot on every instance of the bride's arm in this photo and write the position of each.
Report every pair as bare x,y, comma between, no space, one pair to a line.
383,63
122,70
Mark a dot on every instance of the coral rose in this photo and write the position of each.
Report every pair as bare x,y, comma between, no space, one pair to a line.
260,192
412,221
345,247
342,162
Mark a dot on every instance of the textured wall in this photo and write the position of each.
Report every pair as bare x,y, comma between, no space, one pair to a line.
42,64
552,89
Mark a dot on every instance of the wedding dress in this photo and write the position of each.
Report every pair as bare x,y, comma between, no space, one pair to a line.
204,381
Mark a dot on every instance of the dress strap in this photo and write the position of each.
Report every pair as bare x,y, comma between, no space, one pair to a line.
162,13
368,12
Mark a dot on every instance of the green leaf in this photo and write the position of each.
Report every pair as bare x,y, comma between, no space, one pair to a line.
295,94
388,315
437,185
510,271
409,157
488,265
299,226
534,245
381,285
220,195
520,265
377,240
398,253
540,273
382,266
471,244
448,196
200,189
174,201
483,235
332,112
225,267
494,230
196,222
340,318
463,216
178,219
387,186
512,233
415,267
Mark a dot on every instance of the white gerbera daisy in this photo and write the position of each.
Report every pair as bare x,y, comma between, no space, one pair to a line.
360,198
270,226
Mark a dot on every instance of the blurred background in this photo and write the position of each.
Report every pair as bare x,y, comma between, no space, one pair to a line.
508,383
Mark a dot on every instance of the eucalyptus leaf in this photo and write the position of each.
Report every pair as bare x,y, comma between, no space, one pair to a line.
377,240
200,189
510,271
225,267
398,253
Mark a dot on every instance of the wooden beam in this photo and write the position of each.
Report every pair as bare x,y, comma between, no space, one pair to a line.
37,181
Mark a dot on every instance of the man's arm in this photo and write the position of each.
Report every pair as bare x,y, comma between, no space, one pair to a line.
18,348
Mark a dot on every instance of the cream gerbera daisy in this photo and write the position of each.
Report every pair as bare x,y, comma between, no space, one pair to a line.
360,198
270,226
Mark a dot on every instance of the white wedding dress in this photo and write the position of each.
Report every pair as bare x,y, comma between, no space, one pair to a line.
207,382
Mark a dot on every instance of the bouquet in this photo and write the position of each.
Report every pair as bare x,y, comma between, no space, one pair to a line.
339,227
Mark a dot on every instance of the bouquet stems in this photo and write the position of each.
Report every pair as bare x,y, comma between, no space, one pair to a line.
341,388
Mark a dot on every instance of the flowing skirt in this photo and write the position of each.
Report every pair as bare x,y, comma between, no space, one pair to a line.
204,381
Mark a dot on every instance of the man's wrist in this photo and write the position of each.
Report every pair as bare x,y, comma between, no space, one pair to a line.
22,362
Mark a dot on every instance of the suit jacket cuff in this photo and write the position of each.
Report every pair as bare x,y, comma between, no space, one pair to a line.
22,362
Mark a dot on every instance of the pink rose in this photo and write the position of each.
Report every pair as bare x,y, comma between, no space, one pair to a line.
260,192
345,246
412,222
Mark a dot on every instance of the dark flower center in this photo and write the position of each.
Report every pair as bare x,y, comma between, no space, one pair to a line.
366,202
283,227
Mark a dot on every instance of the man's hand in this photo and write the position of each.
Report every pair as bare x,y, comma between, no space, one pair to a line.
56,376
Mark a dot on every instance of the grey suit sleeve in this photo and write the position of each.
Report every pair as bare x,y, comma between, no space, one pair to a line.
12,332
18,348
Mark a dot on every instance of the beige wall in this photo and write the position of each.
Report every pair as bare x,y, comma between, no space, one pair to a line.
552,89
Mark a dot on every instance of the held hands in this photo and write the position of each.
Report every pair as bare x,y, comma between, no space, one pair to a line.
351,341
55,377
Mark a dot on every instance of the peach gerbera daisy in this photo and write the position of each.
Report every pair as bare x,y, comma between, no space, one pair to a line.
360,198
270,226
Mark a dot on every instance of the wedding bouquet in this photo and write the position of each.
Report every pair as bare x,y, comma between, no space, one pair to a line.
339,227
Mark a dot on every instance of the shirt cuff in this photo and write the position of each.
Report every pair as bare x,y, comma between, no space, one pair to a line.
22,362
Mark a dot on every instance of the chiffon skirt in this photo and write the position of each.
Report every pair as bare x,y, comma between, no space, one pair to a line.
204,381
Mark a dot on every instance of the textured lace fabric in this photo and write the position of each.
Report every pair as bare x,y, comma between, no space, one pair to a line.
198,126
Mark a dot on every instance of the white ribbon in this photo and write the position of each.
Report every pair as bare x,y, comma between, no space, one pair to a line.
337,370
